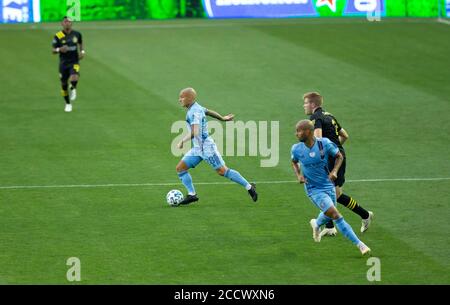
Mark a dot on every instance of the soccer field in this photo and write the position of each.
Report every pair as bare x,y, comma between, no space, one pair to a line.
92,183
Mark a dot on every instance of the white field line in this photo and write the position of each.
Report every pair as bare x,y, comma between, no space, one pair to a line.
444,21
16,187
137,26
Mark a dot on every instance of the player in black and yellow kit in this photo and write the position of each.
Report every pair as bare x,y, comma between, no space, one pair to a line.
326,125
69,44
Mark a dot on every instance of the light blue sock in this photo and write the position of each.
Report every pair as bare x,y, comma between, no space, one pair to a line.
322,219
236,177
186,178
346,230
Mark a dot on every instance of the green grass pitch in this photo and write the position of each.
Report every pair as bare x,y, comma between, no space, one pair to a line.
387,83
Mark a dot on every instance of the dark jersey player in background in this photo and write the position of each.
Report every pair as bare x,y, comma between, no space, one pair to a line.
326,125
66,43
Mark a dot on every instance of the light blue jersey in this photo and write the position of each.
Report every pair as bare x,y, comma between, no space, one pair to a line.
196,115
314,163
319,188
203,146
204,149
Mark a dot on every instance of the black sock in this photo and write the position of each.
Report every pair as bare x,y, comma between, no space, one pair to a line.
74,84
65,93
329,224
350,203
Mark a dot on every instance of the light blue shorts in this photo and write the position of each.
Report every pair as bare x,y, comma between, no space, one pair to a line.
209,153
323,199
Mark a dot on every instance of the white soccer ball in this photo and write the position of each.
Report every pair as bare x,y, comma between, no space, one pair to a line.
174,197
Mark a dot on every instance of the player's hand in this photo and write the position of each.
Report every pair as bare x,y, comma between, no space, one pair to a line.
332,176
228,117
63,49
81,55
302,179
180,145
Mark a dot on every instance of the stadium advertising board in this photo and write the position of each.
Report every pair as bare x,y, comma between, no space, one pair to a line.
291,8
16,11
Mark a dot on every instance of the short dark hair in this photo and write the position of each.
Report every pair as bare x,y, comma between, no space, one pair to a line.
305,124
66,17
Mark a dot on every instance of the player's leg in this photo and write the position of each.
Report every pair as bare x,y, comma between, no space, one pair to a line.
346,229
349,202
74,77
235,176
213,158
182,171
231,174
64,76
330,211
325,201
346,201
329,229
322,201
190,160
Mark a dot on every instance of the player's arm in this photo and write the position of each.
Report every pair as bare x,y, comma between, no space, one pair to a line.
81,47
343,136
318,132
318,128
57,46
337,165
82,52
194,133
216,115
62,49
298,172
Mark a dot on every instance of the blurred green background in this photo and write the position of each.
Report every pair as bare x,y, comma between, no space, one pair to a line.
53,10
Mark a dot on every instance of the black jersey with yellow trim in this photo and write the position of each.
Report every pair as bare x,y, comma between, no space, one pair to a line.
329,125
71,40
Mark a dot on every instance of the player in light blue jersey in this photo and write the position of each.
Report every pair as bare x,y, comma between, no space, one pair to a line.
313,153
203,147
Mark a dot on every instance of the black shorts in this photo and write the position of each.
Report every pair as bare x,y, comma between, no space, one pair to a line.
341,172
66,70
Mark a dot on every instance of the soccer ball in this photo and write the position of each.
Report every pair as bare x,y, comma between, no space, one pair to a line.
174,197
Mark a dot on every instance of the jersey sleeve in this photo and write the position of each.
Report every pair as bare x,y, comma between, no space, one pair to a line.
55,42
80,38
196,117
317,120
318,123
293,154
330,148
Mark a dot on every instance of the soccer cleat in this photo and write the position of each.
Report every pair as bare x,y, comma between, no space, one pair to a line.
68,108
328,232
363,248
73,94
316,230
252,192
366,222
189,199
